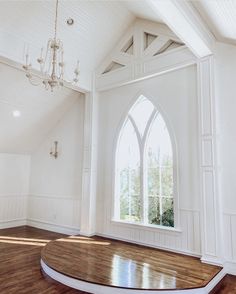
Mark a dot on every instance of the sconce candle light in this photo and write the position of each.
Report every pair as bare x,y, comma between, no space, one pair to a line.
54,152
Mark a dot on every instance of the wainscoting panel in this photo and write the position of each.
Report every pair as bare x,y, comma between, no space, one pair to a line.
54,213
229,237
13,210
185,240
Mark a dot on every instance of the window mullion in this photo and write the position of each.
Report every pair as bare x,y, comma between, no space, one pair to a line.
144,186
141,172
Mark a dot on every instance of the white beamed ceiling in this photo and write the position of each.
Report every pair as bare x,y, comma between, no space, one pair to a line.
98,25
40,111
220,16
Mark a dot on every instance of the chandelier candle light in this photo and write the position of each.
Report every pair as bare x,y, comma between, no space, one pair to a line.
51,64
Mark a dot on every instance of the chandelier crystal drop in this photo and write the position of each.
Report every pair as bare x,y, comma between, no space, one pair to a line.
51,63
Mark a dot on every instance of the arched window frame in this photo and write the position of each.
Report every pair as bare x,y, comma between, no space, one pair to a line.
142,142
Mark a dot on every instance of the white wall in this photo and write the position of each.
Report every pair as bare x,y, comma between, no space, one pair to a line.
55,184
225,75
176,95
14,189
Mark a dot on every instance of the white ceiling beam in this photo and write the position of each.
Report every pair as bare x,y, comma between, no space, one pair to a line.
82,88
185,22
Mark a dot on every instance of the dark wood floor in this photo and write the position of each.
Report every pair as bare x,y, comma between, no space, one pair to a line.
20,268
226,286
125,265
20,262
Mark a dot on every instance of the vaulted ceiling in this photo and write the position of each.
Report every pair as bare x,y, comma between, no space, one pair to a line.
98,26
40,111
220,16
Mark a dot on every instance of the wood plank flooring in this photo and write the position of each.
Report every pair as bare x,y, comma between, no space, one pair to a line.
226,286
119,264
20,268
20,263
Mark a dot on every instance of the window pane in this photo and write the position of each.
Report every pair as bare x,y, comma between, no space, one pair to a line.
159,148
135,208
153,181
128,165
154,210
167,181
167,212
159,166
141,112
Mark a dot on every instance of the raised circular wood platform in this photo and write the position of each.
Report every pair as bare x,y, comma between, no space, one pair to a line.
101,262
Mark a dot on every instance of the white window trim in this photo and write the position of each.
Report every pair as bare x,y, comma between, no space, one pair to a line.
115,199
149,227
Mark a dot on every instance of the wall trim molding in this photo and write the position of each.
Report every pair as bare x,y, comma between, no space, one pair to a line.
6,224
152,228
58,228
185,252
212,261
230,267
52,196
210,202
229,213
49,226
13,195
108,85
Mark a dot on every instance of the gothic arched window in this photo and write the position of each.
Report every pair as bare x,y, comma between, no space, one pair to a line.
144,168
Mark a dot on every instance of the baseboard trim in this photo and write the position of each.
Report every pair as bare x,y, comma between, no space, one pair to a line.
87,235
149,245
12,223
67,230
216,262
230,267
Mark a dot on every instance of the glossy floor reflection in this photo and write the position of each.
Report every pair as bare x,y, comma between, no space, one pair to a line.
119,264
20,272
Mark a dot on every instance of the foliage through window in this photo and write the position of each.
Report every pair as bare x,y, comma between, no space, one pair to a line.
144,168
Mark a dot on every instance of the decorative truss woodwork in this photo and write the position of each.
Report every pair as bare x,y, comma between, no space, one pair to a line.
138,53
156,40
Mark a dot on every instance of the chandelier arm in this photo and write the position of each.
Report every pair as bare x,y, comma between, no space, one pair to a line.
35,81
46,70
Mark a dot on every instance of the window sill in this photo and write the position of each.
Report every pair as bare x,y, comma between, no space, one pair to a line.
147,226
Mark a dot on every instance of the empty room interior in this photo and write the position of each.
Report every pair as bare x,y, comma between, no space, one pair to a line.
117,146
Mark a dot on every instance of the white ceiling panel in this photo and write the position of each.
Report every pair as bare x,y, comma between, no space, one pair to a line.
140,9
98,25
220,16
40,111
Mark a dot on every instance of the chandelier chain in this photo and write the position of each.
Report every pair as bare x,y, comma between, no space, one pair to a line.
56,16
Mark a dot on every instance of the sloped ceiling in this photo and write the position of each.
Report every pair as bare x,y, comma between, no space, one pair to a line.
220,16
98,25
40,111
97,28
142,10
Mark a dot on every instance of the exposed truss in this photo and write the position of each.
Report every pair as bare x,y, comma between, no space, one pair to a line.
145,47
144,39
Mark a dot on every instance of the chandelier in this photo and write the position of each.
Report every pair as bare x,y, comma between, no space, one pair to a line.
51,63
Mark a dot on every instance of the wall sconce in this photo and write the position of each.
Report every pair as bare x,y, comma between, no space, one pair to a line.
54,153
